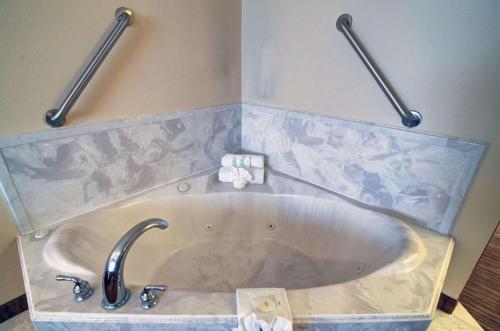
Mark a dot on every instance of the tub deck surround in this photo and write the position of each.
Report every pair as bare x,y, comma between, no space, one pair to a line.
52,175
343,265
423,175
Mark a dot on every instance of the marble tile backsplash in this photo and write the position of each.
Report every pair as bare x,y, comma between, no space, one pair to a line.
421,175
51,175
59,176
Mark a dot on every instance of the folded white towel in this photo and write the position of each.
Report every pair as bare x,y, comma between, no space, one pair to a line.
240,177
263,309
251,323
243,161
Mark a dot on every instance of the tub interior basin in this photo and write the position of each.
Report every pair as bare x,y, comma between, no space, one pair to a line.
221,242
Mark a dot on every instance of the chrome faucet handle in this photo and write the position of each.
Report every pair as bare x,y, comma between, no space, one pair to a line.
148,296
82,289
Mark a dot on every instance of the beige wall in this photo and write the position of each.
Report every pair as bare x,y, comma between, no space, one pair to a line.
11,282
442,56
179,54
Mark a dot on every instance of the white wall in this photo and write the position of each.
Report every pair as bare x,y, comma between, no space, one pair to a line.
179,54
441,56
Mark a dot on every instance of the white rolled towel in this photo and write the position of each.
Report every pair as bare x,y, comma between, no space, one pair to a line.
263,309
240,177
243,161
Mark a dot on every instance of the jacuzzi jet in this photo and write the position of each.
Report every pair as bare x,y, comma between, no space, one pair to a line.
209,227
270,226
360,267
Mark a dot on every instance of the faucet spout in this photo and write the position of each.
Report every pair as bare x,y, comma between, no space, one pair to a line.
115,293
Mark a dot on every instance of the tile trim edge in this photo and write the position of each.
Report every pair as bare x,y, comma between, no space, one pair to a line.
281,110
12,200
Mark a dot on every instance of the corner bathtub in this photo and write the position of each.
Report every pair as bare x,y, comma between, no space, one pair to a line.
342,264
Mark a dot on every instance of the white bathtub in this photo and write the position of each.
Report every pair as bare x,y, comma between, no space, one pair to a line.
341,263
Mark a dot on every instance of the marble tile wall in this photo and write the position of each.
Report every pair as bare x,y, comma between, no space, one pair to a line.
420,175
127,326
441,322
370,326
55,174
367,326
51,175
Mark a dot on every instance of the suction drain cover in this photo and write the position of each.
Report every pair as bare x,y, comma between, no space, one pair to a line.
183,187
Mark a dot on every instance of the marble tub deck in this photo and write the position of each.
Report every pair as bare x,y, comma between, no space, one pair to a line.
460,320
386,299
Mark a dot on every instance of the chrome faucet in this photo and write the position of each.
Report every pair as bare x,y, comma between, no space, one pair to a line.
115,293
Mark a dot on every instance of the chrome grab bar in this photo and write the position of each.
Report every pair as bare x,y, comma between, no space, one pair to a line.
57,117
410,118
